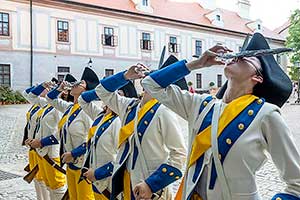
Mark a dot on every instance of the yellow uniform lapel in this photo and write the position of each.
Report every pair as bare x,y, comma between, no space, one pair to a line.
202,141
94,128
127,130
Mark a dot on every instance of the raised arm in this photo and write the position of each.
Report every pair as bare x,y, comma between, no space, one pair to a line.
34,96
107,91
284,153
57,103
88,106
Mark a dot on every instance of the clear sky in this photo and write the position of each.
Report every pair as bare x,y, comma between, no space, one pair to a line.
273,13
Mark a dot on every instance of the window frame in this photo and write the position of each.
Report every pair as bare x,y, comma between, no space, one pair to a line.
108,36
173,44
199,80
3,74
201,47
108,72
145,3
219,80
2,22
59,37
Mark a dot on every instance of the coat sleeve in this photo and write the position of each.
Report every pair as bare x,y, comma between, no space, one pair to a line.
280,144
34,96
158,85
107,92
90,108
57,103
169,171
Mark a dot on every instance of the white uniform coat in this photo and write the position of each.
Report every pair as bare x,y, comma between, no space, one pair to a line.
48,127
105,151
77,132
267,133
162,142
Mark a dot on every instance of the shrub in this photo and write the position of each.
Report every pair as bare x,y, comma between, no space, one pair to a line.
7,95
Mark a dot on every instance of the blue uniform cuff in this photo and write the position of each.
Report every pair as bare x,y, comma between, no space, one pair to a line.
28,90
162,177
80,150
89,96
53,94
283,196
48,141
168,75
112,83
104,171
38,90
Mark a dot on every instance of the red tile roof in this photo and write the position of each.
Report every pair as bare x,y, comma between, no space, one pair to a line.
283,27
185,12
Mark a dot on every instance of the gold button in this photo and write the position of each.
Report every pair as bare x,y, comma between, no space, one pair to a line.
75,115
220,156
278,198
241,126
250,112
164,170
228,141
205,103
152,111
83,145
69,121
140,134
52,141
107,167
102,129
171,174
259,101
97,136
129,107
110,172
177,177
109,121
145,122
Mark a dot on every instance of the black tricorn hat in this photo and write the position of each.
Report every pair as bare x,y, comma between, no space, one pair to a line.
69,78
90,78
129,90
182,82
54,80
277,86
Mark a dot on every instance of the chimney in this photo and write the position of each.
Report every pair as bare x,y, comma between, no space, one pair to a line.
243,7
208,4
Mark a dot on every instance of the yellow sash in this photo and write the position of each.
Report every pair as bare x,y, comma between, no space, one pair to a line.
127,130
202,141
94,128
66,117
29,112
127,185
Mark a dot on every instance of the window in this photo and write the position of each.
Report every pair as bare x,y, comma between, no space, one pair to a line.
198,47
5,75
109,72
4,24
62,72
259,27
173,46
199,80
146,43
108,38
278,58
63,31
218,17
145,3
219,80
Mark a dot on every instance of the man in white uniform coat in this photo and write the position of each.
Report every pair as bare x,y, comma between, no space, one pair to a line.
228,138
151,148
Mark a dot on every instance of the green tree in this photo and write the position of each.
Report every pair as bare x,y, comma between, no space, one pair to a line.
293,41
294,73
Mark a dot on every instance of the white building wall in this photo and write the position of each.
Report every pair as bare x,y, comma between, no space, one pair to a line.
85,32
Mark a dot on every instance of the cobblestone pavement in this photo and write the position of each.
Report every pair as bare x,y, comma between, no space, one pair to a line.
13,157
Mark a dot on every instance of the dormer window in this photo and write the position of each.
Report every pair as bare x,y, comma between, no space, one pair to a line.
259,27
145,3
218,18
